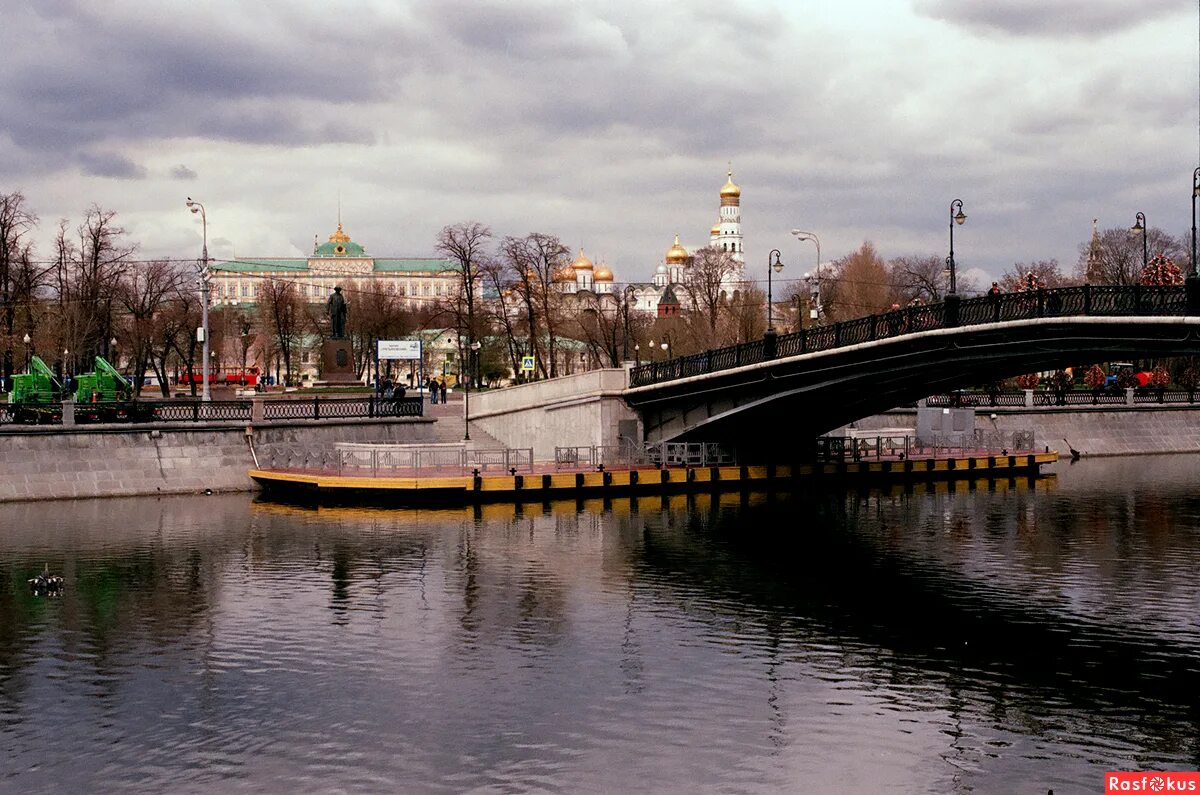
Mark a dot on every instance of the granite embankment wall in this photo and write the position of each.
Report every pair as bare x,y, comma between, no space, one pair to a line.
1096,431
112,461
584,410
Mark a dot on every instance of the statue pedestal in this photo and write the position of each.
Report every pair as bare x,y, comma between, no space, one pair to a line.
337,363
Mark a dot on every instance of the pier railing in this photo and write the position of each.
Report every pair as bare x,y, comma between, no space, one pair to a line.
1069,397
389,460
1114,301
897,447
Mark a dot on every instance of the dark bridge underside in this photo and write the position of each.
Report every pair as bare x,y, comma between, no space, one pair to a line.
793,400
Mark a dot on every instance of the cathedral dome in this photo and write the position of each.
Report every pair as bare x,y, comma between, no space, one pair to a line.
716,229
581,262
603,274
564,274
339,245
661,269
676,254
730,193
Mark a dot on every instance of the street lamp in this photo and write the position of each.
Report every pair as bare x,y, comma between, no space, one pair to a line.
666,344
112,351
1195,193
472,351
1141,226
197,207
28,351
776,266
637,352
957,216
812,237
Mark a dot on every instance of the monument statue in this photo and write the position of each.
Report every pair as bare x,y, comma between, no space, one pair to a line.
337,315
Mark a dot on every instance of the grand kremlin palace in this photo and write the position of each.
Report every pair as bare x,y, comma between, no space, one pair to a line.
336,262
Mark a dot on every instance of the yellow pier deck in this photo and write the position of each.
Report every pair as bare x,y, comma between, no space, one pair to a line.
557,484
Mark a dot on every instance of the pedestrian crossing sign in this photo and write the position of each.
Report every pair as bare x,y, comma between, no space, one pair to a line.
527,364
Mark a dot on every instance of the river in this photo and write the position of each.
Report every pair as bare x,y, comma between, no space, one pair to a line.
1011,637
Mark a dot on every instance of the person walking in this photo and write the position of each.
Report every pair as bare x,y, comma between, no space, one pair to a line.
443,391
431,387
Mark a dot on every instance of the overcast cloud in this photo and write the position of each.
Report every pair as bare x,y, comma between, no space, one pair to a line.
607,123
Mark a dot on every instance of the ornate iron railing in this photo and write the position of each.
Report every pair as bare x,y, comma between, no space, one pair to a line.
1134,300
1050,397
317,408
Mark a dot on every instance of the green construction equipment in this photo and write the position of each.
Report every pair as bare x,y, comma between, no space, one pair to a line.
38,387
103,385
36,395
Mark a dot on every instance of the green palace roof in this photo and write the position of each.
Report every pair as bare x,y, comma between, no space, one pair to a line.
404,265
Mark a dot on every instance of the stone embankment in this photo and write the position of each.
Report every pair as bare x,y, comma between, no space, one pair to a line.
111,461
1092,430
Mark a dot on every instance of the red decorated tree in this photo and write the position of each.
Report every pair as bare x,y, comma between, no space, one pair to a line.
1161,271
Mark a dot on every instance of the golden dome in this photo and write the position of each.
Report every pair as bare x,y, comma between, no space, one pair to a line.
716,230
581,262
603,274
339,236
564,274
676,253
730,193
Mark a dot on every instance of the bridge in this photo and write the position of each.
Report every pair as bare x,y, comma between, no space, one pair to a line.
784,389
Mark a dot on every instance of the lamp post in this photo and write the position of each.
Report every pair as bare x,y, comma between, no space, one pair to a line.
28,351
801,235
197,207
1140,226
776,266
650,351
112,351
637,352
957,216
472,350
1195,193
666,344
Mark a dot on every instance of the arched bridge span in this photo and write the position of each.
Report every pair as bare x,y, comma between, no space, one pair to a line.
791,388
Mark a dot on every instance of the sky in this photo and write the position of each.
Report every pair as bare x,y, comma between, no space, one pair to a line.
609,123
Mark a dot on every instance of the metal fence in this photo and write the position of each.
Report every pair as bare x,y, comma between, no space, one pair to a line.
396,460
1133,300
140,411
1050,397
895,447
317,407
694,454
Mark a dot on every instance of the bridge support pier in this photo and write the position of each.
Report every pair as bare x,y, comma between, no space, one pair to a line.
1191,287
951,319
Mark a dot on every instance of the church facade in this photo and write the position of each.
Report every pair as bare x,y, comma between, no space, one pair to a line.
670,276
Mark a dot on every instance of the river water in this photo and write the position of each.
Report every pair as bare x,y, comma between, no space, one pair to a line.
1015,637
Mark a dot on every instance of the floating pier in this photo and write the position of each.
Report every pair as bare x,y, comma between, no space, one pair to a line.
538,485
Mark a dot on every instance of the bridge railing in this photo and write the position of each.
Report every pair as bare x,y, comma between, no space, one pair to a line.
1105,301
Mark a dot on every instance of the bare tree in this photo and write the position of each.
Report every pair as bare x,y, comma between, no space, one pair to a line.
925,278
16,278
283,315
465,244
860,285
706,282
144,294
1047,272
531,263
1116,258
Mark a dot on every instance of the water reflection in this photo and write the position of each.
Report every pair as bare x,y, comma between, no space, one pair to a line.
992,637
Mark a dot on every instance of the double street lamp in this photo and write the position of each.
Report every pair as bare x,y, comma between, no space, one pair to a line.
1140,226
815,295
957,217
197,207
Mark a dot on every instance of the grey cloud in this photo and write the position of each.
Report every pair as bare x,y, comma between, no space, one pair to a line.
108,164
182,172
1050,18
